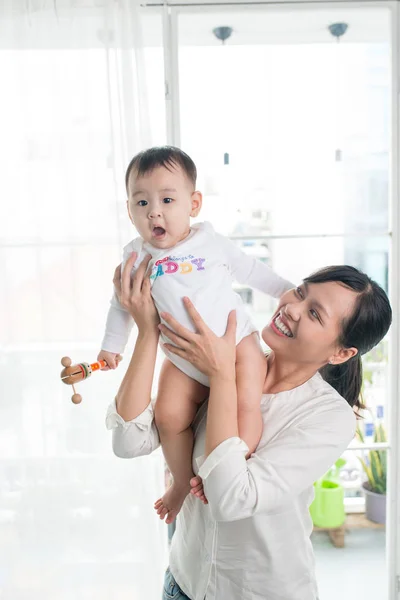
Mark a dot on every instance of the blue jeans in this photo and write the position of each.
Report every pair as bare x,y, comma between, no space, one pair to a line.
172,591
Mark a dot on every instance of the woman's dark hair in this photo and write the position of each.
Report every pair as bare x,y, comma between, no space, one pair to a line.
162,156
363,329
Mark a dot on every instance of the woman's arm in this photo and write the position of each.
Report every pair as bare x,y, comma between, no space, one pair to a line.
215,356
134,394
132,417
280,471
134,295
222,414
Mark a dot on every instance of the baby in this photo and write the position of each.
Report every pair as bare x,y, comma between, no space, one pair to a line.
197,262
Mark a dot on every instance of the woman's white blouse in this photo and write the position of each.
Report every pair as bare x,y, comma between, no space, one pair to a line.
252,541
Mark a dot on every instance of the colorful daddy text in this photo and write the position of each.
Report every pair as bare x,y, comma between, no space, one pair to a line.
166,266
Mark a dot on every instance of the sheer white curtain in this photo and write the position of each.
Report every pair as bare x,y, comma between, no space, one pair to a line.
75,521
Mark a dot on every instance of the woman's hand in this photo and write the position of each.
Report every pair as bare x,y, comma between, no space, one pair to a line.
212,355
134,293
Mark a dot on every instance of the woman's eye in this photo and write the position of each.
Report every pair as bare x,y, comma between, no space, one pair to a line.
314,314
167,200
299,292
142,203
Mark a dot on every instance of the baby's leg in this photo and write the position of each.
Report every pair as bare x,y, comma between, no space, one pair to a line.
175,409
251,368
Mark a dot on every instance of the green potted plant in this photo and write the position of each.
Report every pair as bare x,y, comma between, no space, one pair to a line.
374,465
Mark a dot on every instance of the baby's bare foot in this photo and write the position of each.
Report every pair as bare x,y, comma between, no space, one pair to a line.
171,503
196,484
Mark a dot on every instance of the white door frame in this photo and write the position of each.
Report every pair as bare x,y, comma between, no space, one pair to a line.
172,9
171,74
393,496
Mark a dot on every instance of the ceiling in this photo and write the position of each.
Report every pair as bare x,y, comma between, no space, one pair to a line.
84,24
283,26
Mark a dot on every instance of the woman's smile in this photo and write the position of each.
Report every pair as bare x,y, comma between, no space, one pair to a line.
280,326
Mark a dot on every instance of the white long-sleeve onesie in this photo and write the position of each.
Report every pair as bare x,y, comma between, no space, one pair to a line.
203,267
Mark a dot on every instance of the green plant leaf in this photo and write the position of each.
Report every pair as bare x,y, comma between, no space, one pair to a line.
360,434
375,462
368,472
383,454
382,433
376,466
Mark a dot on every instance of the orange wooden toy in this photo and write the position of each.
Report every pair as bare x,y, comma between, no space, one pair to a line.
72,374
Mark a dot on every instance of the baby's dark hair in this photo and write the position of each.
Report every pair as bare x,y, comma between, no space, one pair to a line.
363,329
162,156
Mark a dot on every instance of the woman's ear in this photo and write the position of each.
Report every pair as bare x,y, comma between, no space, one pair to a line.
343,355
197,201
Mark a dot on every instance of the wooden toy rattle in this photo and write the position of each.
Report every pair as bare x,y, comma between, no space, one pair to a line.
74,373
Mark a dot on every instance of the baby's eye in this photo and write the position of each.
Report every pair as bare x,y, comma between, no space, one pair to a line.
167,200
142,203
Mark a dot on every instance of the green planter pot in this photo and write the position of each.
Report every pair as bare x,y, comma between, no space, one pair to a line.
327,509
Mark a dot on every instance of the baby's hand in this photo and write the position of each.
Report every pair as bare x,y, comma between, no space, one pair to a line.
111,359
197,489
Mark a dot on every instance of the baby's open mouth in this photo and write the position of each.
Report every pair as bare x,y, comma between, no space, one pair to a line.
158,232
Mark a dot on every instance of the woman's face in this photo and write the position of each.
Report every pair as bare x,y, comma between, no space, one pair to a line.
307,324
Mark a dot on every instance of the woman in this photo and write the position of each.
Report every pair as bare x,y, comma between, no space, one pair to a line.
251,541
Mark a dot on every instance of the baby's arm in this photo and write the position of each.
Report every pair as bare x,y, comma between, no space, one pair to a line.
251,271
119,323
118,328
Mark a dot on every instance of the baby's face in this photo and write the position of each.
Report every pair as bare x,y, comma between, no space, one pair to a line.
160,204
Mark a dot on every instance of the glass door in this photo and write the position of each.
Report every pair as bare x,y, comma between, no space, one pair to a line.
287,112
